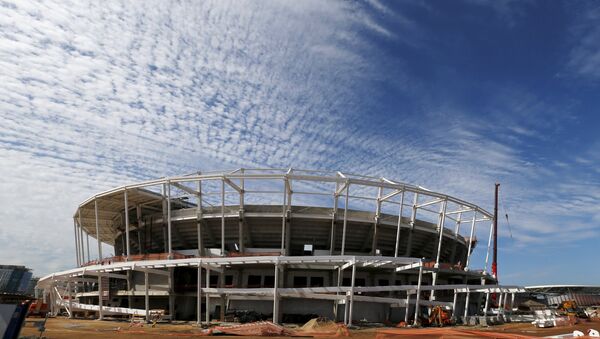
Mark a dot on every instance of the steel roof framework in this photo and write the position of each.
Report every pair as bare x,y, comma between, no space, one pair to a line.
100,216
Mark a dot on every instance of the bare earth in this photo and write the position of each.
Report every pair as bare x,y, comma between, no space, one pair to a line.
79,328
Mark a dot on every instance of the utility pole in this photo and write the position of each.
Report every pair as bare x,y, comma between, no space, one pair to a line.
495,258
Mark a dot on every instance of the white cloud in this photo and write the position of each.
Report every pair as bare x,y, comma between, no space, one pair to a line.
584,57
96,95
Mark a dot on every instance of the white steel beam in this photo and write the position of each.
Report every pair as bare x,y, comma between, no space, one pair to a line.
408,267
345,220
233,185
441,224
397,247
127,248
184,188
470,248
433,202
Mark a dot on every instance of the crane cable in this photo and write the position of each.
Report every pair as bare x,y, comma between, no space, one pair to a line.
506,215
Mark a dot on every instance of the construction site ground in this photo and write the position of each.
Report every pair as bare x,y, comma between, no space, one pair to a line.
61,327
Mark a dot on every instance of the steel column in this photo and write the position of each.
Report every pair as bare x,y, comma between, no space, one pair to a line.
473,222
169,236
223,216
487,303
416,321
100,296
487,256
351,308
199,296
285,183
407,308
413,220
199,220
276,296
146,297
97,229
81,244
441,224
207,302
467,303
127,247
76,243
454,304
399,225
345,219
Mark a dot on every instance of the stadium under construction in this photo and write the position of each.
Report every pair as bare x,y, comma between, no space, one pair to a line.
280,242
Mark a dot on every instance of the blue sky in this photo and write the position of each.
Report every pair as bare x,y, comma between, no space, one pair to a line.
450,95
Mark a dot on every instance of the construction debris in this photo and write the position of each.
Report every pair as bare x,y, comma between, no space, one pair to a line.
261,328
444,333
323,327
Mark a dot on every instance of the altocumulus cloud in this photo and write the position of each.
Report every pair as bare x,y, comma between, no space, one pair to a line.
94,95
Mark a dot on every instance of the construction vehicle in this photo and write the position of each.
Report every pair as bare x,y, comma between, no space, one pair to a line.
570,308
439,317
38,309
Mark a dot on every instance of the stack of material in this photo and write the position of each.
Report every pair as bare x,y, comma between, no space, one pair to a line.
323,327
548,318
261,328
544,318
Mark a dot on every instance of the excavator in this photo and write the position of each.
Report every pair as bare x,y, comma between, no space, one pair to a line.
439,317
570,308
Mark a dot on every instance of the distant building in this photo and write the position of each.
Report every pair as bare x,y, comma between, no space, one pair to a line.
14,279
31,290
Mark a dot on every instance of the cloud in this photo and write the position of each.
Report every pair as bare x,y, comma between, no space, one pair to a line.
94,96
584,57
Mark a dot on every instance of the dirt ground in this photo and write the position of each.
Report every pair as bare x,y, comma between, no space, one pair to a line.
88,329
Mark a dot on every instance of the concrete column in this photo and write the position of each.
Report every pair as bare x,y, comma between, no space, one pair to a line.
129,299
454,304
70,294
146,297
221,284
199,296
171,295
336,302
417,321
207,302
512,302
433,283
100,295
467,303
407,307
352,294
276,296
487,303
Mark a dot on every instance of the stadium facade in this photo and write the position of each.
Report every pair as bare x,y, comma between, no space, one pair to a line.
281,242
